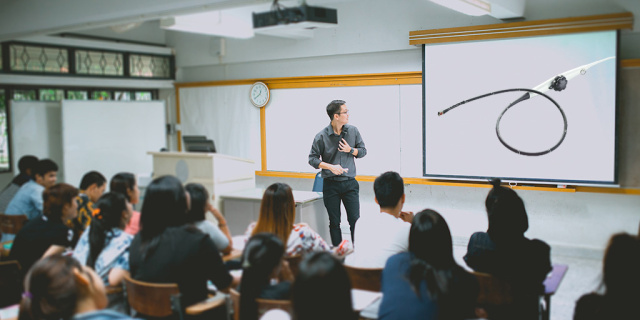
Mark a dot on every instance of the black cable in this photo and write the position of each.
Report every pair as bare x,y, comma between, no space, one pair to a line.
524,97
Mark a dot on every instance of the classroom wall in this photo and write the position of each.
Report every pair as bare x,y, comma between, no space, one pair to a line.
376,41
577,224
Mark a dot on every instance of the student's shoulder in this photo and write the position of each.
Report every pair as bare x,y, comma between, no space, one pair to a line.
538,245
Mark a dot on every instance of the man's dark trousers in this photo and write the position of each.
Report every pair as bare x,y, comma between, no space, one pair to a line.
347,190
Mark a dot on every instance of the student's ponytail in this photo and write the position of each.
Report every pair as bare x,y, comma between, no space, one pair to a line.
107,214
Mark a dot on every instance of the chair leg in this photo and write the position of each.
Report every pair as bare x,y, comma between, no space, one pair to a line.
229,305
176,306
547,310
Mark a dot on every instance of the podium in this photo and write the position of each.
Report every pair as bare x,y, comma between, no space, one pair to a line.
218,173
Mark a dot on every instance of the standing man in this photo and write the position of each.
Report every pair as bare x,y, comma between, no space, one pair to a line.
333,150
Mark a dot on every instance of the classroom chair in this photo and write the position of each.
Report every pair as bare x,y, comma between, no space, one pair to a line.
294,263
318,182
10,284
364,278
162,300
264,305
12,223
495,293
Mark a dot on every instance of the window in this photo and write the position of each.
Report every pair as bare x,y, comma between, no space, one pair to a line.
51,95
123,95
101,95
144,95
77,95
26,94
99,63
38,59
149,66
4,136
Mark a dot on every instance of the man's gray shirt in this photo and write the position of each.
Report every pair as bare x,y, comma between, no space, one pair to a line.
325,149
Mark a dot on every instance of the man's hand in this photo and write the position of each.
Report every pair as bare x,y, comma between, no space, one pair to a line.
337,169
406,216
343,146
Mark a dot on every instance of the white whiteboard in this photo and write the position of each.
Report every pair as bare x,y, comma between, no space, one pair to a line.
36,129
295,116
111,137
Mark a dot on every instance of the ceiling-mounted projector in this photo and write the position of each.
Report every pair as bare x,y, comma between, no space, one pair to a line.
296,22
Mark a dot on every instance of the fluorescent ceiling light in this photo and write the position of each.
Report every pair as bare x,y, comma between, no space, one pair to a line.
468,7
232,23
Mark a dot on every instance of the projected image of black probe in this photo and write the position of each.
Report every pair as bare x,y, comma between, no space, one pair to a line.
557,83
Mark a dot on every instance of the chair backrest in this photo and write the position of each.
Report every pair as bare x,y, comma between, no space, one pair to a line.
318,182
10,284
494,291
264,305
152,299
12,223
364,278
294,263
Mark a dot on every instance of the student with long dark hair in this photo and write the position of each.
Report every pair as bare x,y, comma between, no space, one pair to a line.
47,234
200,205
104,246
59,288
322,289
167,250
505,252
426,282
261,262
277,216
125,184
620,282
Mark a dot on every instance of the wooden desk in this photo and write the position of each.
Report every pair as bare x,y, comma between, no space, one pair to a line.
243,207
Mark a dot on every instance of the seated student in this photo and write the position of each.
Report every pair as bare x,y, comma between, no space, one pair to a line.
261,263
104,246
92,187
47,234
125,183
168,250
58,287
426,282
277,214
28,200
380,235
26,165
620,281
322,289
504,251
200,205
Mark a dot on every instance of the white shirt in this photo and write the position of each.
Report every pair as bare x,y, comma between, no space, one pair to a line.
378,236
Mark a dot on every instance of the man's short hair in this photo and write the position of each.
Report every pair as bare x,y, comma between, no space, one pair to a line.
90,178
45,166
334,107
388,188
27,162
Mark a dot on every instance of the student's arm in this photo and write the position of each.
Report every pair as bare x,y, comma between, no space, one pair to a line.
53,250
216,270
222,224
116,276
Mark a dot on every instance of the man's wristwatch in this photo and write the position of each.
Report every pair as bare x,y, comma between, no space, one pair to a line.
353,150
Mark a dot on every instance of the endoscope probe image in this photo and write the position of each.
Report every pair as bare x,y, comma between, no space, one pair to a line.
557,83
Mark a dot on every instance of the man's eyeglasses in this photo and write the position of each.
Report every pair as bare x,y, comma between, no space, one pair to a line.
346,112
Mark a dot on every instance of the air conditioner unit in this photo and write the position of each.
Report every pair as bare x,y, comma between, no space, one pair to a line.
297,22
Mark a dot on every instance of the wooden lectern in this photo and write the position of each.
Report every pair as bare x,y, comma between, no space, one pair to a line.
218,173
